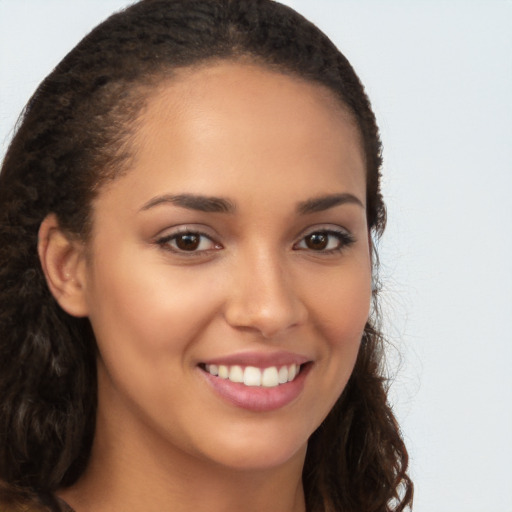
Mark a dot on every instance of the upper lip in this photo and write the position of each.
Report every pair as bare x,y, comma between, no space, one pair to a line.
259,359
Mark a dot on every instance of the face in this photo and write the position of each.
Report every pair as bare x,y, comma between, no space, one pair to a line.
228,272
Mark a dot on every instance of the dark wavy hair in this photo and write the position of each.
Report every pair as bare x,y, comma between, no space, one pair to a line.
74,135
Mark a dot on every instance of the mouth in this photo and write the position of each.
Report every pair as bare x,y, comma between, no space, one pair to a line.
257,382
253,376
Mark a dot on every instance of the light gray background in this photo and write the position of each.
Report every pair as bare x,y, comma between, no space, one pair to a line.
439,74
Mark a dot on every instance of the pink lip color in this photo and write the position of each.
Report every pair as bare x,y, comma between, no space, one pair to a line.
259,360
258,399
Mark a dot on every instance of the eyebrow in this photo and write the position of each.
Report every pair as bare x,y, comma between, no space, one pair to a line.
212,204
201,203
319,204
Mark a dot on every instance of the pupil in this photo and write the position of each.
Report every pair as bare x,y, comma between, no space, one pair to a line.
188,242
317,241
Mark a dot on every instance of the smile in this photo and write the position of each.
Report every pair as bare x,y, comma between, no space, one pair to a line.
253,376
255,381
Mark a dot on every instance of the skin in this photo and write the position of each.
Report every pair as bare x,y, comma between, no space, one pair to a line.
266,142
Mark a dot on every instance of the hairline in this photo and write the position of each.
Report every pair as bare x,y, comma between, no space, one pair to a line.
144,89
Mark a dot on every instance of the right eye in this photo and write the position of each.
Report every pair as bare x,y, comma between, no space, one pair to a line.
188,242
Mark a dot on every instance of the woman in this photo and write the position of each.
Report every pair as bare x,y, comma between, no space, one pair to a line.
188,215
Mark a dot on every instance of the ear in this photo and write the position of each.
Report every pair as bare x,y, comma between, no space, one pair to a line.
64,266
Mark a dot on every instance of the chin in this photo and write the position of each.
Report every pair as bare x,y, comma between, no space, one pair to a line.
260,453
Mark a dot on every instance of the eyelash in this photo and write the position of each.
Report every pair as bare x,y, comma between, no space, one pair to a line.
344,240
166,241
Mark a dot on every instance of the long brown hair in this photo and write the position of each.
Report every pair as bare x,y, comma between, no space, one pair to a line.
74,135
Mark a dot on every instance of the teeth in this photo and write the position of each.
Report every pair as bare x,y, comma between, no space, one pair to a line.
236,374
270,377
282,375
251,376
292,372
223,371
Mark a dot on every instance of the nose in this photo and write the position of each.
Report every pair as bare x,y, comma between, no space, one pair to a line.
262,297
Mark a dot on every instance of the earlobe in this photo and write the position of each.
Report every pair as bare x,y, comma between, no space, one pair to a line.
63,263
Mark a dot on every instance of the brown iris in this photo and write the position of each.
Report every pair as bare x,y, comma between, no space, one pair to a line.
317,241
188,241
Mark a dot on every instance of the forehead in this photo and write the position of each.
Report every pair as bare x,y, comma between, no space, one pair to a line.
212,127
244,87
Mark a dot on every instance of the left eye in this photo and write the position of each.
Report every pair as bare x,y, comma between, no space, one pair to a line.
325,241
188,242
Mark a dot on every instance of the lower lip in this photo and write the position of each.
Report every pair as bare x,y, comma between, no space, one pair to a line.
258,398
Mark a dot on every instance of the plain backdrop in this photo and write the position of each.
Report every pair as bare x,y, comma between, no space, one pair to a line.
439,74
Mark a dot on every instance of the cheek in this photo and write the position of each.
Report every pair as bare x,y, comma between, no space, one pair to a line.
146,329
150,314
340,314
343,305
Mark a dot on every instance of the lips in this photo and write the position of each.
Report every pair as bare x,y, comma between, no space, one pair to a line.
257,382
